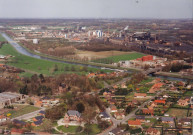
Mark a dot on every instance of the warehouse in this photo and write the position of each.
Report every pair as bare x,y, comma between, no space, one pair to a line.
8,98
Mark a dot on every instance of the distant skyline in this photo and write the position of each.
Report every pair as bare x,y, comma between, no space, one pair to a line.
154,9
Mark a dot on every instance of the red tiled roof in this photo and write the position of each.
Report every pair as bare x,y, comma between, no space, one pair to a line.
160,101
15,130
150,130
134,122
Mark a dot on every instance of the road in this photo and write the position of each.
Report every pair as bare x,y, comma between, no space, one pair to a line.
130,115
28,115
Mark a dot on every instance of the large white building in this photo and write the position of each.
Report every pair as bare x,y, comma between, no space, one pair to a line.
8,98
35,41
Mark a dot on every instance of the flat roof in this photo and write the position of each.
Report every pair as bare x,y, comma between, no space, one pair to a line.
6,96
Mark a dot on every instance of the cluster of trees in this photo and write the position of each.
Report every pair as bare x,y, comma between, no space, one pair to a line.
7,85
2,43
96,47
136,78
176,67
62,51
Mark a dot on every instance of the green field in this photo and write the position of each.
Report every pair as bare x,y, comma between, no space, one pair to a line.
118,58
22,109
33,65
70,129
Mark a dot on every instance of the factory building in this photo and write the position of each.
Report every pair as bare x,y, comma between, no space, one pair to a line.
8,98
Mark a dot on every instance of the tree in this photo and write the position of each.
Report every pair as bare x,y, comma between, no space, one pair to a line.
55,67
56,112
73,68
66,68
128,110
41,76
80,107
89,114
47,126
23,90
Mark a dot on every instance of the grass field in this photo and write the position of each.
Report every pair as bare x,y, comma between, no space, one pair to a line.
33,65
22,109
173,112
70,129
112,59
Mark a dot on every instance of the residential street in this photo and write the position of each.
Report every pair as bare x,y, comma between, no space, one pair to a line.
130,115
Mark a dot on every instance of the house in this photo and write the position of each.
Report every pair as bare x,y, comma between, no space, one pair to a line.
48,101
156,87
123,86
160,101
134,123
104,116
91,75
113,108
148,111
185,122
72,115
167,120
19,123
140,95
140,118
152,131
38,103
116,131
42,113
119,115
15,131
182,102
37,123
3,118
38,118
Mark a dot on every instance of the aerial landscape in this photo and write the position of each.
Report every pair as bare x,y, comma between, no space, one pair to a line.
96,67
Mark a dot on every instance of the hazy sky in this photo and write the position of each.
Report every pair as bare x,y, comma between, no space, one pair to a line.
96,9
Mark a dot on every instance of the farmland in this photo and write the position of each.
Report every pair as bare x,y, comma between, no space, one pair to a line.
113,59
99,55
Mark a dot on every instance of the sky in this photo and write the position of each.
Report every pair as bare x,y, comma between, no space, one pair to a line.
163,9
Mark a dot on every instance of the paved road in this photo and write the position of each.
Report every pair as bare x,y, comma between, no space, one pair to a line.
28,115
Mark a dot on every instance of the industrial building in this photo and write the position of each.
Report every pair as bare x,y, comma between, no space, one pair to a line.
8,98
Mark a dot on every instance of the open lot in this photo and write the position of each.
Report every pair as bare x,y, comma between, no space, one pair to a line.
173,112
21,110
102,54
124,57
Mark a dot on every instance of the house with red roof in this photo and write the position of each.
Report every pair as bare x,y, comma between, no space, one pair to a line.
134,123
152,131
148,111
160,101
156,87
119,115
15,131
183,102
113,108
